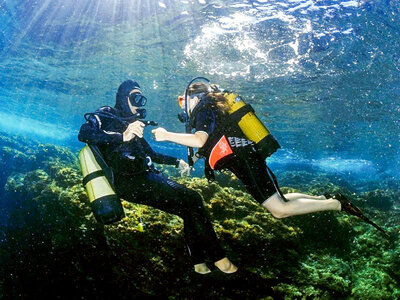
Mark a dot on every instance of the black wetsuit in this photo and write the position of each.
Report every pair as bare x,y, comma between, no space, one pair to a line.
245,162
137,181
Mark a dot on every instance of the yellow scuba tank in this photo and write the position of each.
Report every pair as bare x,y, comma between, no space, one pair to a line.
105,204
251,126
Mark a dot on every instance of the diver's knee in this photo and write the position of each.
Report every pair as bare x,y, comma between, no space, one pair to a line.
197,198
278,214
193,198
276,206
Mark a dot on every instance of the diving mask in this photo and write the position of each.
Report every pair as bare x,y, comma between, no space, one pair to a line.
137,99
181,102
190,102
182,116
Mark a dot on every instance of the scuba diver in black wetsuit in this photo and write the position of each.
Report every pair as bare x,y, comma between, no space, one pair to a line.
230,136
118,134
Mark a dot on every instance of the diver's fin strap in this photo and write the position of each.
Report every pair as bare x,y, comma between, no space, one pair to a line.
240,113
92,176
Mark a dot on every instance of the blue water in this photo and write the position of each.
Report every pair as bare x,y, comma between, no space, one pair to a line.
323,75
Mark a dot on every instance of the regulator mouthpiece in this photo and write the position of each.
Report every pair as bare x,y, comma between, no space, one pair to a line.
183,117
141,113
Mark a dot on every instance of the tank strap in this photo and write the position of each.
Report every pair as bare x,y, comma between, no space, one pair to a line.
92,176
108,172
238,115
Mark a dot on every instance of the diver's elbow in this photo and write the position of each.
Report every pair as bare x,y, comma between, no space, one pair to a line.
201,139
199,144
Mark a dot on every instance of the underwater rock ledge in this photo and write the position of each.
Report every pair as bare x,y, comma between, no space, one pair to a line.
52,242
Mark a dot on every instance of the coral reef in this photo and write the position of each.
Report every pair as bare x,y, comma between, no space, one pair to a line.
52,242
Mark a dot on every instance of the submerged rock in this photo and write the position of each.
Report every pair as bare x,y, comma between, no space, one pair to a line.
53,243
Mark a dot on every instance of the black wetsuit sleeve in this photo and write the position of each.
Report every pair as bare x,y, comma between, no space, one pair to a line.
91,133
158,157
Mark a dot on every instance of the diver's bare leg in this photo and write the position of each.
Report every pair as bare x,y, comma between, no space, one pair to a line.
294,196
298,206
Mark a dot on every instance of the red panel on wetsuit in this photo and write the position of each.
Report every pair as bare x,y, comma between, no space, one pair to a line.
220,150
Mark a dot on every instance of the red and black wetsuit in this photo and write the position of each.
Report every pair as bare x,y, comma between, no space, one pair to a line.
244,161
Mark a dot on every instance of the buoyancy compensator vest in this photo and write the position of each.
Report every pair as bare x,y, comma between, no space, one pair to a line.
98,181
243,114
240,130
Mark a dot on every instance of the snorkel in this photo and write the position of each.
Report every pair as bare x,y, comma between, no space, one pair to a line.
184,117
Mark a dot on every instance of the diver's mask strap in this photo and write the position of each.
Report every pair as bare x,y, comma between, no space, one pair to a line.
198,95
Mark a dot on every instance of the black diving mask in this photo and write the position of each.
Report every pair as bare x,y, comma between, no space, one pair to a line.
137,99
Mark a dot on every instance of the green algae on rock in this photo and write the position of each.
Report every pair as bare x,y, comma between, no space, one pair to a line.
54,243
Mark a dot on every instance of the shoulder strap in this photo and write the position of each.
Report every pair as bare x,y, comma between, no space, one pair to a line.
238,115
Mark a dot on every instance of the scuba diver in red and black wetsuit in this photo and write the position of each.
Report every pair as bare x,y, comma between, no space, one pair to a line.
229,136
118,134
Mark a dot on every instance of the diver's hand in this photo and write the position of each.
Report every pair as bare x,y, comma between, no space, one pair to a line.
184,168
160,134
134,129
